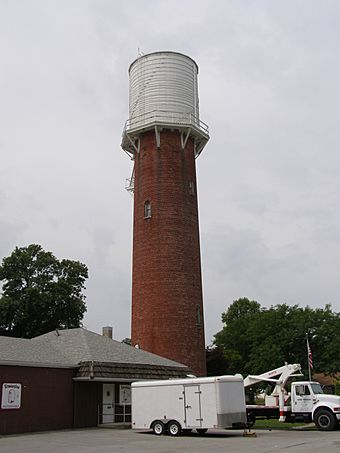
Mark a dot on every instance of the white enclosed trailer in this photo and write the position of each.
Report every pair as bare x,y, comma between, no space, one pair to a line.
184,404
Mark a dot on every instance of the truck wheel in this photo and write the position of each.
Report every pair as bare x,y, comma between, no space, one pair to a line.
325,420
174,428
158,428
201,430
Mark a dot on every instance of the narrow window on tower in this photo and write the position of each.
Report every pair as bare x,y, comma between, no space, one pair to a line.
198,315
147,209
191,188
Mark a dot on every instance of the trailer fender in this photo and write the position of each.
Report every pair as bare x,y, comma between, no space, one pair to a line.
174,428
158,427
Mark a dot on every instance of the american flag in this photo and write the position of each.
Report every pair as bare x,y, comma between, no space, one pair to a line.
310,356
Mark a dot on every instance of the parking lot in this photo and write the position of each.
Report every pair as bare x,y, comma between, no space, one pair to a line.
125,441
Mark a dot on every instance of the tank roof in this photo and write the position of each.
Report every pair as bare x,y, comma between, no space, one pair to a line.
163,52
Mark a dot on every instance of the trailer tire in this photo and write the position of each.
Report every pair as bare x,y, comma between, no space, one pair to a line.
158,427
201,430
174,428
325,420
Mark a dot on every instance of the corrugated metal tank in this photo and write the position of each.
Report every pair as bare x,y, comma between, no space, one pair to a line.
163,88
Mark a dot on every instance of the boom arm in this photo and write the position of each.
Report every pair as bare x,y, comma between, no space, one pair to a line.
282,375
279,375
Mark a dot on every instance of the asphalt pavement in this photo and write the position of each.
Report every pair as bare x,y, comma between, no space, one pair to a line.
98,440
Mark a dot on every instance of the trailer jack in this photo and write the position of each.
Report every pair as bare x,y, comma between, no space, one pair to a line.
248,433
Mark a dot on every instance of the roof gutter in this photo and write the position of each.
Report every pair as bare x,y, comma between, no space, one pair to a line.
101,379
38,364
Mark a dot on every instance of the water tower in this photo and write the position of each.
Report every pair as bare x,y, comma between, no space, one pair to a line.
164,136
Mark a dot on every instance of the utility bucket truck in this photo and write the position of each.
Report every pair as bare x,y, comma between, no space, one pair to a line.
178,405
305,402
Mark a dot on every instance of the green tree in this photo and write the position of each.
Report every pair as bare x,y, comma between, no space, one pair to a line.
278,335
325,340
337,388
234,339
217,364
40,293
257,339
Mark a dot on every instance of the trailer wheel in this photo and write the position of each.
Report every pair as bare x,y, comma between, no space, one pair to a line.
201,430
158,428
174,428
325,420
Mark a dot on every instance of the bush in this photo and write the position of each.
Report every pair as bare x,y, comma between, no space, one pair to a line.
337,388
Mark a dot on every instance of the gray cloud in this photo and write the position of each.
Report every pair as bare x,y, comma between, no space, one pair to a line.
268,179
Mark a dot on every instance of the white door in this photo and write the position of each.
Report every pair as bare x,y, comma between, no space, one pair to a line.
192,405
303,400
108,403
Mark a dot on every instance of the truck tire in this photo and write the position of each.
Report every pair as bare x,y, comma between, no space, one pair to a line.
174,428
325,420
158,427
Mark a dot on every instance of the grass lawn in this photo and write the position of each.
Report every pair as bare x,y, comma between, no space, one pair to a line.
275,424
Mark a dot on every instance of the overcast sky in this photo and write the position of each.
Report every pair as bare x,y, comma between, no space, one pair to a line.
268,180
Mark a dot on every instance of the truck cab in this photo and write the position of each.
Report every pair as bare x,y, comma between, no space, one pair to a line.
308,402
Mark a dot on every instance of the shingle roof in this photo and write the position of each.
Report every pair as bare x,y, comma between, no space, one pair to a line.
72,346
21,350
125,371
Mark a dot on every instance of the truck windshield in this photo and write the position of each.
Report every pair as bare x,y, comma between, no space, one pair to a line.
316,389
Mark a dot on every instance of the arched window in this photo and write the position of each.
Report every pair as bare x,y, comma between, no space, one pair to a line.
147,209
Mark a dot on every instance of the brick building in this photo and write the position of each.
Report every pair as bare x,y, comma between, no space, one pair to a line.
70,379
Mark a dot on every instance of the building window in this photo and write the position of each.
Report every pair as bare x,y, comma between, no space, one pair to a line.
198,315
147,209
191,188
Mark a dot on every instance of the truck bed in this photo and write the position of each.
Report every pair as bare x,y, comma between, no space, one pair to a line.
261,411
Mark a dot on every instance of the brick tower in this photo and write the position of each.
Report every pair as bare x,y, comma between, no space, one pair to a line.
163,136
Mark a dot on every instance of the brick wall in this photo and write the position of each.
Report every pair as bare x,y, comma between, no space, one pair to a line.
167,307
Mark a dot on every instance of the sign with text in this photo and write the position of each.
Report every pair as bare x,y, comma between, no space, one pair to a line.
11,396
125,394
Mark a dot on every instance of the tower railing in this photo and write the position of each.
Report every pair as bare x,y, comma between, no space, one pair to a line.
162,117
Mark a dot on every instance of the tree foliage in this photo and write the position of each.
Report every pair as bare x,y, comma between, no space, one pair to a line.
337,388
255,339
217,363
40,293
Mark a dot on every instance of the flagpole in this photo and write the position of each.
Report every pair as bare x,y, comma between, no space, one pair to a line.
308,358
